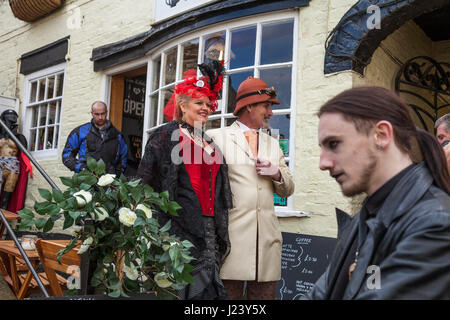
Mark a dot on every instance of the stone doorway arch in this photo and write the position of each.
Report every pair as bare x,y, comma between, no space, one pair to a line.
353,41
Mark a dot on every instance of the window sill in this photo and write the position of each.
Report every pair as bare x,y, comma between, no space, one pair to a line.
45,154
286,213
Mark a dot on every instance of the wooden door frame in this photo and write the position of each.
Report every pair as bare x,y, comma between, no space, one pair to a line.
117,94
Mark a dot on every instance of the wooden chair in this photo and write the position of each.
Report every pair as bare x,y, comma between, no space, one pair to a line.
48,252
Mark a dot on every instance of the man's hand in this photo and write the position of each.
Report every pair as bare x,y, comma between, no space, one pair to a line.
265,168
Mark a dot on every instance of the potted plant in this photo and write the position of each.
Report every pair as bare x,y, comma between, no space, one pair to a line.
114,219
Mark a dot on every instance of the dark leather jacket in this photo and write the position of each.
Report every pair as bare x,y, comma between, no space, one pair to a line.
158,170
408,244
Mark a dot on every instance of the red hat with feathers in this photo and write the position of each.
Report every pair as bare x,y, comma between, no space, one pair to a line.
208,85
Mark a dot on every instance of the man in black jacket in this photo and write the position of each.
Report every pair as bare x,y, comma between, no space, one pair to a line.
398,245
98,139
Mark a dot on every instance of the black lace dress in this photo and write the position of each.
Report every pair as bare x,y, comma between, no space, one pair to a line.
162,170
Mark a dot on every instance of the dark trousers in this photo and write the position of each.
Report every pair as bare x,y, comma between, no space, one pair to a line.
255,290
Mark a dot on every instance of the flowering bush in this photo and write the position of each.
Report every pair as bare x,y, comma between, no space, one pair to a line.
115,220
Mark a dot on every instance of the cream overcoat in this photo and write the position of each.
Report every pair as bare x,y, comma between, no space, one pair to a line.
254,230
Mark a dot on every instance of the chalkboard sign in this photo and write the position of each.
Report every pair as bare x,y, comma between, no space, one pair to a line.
304,259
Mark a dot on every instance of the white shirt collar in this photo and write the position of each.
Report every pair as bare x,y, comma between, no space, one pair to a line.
244,128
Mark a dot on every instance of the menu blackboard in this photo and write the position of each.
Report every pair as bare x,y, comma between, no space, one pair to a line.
303,260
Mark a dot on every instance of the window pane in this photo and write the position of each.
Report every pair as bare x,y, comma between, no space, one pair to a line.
153,110
50,87
33,92
43,114
60,84
234,81
52,113
214,47
156,73
279,129
277,41
50,133
41,137
55,141
33,140
243,42
229,121
280,79
34,117
171,66
190,55
212,124
166,97
41,89
58,112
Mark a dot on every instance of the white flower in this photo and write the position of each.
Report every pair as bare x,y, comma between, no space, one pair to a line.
127,217
82,193
85,245
147,210
162,281
131,272
76,230
106,179
102,214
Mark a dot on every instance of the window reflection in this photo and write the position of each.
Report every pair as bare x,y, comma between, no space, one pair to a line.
243,43
170,66
277,42
190,55
156,73
214,47
279,129
280,79
234,80
212,124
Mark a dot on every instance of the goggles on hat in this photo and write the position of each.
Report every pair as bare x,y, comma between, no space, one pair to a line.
269,91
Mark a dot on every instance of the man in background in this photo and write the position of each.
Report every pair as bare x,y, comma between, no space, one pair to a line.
98,139
442,127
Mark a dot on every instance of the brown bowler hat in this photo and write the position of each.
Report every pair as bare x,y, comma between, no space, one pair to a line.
254,90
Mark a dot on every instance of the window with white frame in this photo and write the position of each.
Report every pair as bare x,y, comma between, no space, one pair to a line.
43,102
263,47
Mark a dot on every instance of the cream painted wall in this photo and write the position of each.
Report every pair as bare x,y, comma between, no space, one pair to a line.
315,191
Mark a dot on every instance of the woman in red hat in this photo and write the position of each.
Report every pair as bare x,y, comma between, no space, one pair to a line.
181,159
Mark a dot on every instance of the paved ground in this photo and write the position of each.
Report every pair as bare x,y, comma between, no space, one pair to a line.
5,291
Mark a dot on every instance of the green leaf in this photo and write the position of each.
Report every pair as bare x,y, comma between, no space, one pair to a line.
100,167
45,194
39,223
91,164
67,181
114,294
48,225
136,194
173,207
139,222
85,186
166,227
68,221
74,214
58,195
26,214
